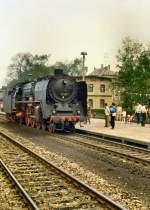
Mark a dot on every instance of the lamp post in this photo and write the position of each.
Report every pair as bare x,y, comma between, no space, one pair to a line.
119,96
83,64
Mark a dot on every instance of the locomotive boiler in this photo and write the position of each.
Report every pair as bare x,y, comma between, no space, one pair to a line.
54,103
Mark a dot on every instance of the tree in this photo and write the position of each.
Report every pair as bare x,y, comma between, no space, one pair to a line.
134,71
20,63
25,66
142,84
38,67
73,68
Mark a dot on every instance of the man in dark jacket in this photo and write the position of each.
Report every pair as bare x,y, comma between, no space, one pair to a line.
113,111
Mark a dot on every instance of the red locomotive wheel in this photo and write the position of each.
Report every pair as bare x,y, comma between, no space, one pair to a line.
27,121
38,125
32,123
54,127
20,121
51,128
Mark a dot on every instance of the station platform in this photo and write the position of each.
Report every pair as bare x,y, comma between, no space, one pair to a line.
130,132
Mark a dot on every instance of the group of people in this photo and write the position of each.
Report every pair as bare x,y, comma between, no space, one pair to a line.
110,115
114,112
123,116
141,112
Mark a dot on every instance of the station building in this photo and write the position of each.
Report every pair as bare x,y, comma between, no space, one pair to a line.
99,85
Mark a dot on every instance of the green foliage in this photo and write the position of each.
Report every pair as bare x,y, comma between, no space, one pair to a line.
98,113
26,67
73,68
133,78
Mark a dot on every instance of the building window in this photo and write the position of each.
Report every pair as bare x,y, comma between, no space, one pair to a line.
102,88
102,103
90,87
90,103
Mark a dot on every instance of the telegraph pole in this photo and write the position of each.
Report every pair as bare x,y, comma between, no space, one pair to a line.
83,65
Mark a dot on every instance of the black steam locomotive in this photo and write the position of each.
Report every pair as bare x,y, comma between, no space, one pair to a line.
54,103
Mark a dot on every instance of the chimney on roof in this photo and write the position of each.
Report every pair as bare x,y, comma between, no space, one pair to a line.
102,66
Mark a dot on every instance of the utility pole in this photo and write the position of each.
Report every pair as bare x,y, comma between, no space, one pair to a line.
83,65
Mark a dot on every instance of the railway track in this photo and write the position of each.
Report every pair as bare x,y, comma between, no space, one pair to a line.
131,153
12,194
124,151
48,186
113,138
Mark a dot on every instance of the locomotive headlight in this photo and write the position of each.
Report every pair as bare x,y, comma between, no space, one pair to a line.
65,82
78,112
53,112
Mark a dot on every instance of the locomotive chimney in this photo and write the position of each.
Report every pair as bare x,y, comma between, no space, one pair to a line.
58,72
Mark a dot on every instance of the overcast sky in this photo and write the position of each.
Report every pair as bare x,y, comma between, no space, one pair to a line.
64,28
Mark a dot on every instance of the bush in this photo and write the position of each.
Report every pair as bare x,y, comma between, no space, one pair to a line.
98,113
129,110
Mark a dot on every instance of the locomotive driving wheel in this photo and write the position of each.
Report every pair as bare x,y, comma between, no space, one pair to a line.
33,123
20,121
51,127
27,120
38,125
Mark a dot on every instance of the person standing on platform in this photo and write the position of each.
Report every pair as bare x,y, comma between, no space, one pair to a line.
138,113
124,115
89,115
113,111
107,114
143,115
119,113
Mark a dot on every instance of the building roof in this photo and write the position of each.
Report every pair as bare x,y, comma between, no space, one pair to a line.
104,71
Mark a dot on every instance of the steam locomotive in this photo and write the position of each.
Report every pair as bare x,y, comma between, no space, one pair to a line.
54,103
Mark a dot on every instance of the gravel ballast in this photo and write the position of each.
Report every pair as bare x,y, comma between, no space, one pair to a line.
103,178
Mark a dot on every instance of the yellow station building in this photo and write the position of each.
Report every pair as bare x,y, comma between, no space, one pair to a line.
99,84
